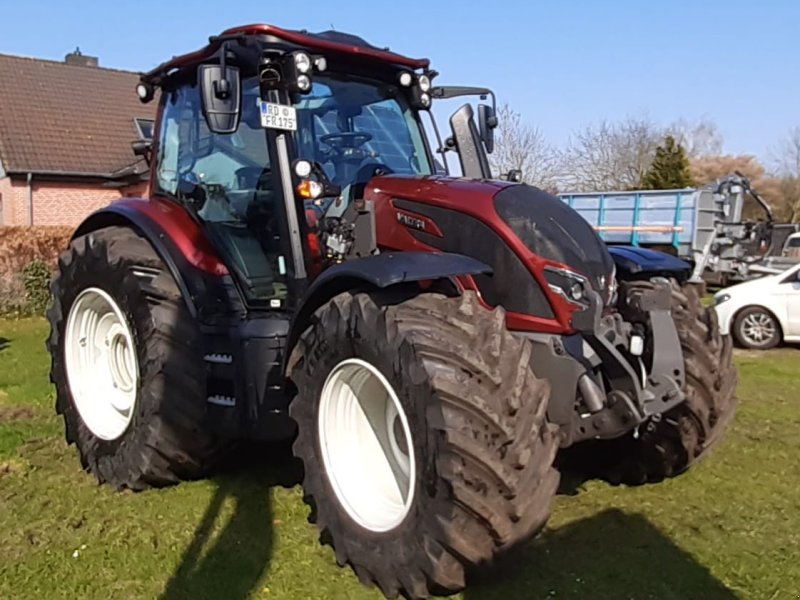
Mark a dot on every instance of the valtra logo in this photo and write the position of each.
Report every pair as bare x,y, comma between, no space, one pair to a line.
410,221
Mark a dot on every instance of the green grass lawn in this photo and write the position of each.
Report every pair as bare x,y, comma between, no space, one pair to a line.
728,529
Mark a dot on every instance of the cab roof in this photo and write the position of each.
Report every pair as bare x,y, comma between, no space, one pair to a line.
327,41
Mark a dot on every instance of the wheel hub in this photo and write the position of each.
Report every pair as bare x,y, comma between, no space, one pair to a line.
366,445
101,365
758,328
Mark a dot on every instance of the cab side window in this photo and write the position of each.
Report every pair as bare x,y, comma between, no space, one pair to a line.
226,180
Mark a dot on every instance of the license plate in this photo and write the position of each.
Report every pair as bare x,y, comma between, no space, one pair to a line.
278,116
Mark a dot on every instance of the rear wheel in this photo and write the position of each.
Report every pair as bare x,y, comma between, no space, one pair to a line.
424,438
757,328
669,443
127,363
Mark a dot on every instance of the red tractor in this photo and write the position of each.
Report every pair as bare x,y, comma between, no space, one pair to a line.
431,342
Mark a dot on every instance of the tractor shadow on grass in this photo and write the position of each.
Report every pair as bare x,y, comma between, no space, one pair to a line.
228,558
4,343
612,554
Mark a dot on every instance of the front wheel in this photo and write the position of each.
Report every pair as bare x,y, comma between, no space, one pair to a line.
423,433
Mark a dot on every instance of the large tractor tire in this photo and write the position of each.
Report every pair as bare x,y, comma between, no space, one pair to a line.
423,433
127,363
668,444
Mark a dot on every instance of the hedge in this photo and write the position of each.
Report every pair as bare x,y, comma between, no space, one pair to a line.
28,257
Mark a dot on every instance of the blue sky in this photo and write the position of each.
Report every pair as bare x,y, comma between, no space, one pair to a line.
561,64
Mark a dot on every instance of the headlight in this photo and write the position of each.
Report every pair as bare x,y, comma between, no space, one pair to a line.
303,83
302,62
425,100
720,298
576,291
568,284
405,78
302,168
145,92
424,83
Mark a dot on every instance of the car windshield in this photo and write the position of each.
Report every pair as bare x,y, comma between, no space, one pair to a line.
353,127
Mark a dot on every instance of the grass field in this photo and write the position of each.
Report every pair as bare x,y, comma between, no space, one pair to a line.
728,529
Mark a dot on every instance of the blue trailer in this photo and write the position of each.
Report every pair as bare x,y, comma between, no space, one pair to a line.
702,226
676,218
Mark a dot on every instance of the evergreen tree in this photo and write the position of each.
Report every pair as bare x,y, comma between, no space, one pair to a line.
670,168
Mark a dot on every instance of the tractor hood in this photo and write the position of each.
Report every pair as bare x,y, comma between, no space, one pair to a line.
543,224
439,190
551,229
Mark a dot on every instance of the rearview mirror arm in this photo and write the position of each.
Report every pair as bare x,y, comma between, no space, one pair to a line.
445,92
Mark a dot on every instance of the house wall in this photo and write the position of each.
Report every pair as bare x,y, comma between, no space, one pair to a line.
58,203
7,207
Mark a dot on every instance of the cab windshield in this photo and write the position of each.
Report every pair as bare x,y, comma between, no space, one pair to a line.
357,127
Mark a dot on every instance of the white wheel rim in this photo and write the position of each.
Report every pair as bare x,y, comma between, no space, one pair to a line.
366,444
101,365
758,328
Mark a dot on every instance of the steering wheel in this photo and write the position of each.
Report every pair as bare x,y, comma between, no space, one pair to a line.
345,141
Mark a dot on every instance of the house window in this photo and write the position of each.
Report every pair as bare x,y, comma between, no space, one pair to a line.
145,128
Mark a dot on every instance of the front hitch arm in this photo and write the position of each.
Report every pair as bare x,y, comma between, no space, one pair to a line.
635,394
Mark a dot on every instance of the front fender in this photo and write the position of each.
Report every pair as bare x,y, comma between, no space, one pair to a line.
379,272
383,270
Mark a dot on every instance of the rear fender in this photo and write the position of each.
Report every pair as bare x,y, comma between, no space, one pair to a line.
380,272
200,274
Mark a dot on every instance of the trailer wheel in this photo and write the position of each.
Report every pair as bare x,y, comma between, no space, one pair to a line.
669,444
423,433
126,363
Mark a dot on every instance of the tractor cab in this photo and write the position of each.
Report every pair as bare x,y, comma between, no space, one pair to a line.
269,137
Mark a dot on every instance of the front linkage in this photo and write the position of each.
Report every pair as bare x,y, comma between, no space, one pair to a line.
621,368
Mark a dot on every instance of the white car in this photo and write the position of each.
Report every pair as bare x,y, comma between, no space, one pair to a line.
762,312
791,246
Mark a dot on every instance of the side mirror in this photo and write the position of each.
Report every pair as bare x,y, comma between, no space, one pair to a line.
487,121
514,175
467,141
143,148
220,90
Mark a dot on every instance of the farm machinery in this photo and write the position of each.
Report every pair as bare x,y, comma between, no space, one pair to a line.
429,342
704,226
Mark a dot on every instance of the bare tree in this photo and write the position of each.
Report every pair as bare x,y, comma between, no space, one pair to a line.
610,155
698,138
519,145
787,165
786,157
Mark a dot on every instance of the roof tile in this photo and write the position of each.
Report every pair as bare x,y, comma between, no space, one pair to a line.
58,117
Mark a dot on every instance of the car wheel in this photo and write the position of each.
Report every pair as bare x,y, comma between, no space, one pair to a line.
756,327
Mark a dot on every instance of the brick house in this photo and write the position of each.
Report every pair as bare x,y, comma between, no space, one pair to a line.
65,138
